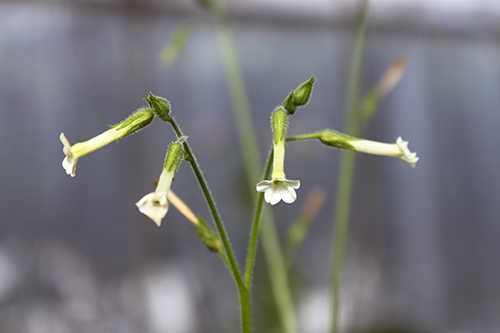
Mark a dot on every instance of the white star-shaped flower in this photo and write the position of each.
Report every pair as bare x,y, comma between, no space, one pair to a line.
279,189
154,205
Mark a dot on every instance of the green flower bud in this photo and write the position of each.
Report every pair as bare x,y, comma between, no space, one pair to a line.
289,104
159,105
279,124
302,93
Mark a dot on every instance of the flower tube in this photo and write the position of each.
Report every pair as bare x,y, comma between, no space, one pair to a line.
279,187
138,120
398,149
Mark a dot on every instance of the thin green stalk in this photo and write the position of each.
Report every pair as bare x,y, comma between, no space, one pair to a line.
304,137
252,247
251,157
346,167
222,252
243,291
237,92
278,274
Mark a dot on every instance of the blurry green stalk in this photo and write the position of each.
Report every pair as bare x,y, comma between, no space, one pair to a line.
248,141
346,170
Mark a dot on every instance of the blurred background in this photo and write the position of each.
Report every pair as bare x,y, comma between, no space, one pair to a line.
76,255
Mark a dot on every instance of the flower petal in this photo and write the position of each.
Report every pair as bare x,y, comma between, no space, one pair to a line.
269,195
275,196
69,164
279,189
64,141
263,185
408,155
288,194
293,183
154,205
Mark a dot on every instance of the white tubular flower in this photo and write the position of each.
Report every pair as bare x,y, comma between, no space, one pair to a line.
136,121
279,188
155,205
398,149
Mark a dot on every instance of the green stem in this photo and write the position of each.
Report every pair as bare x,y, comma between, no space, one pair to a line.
304,137
278,274
222,252
243,291
252,247
346,167
251,157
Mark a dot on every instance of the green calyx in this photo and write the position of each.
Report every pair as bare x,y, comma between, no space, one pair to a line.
279,124
159,105
174,155
335,139
136,121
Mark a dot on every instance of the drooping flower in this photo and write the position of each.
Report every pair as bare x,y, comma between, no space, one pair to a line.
155,205
133,123
279,188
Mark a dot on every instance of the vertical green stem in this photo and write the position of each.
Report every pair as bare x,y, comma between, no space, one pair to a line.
248,141
252,247
278,274
346,167
243,291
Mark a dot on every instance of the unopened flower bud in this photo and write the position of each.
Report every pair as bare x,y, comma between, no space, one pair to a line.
301,94
159,105
289,104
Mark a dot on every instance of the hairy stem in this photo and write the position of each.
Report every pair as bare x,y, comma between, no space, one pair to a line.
252,247
243,291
